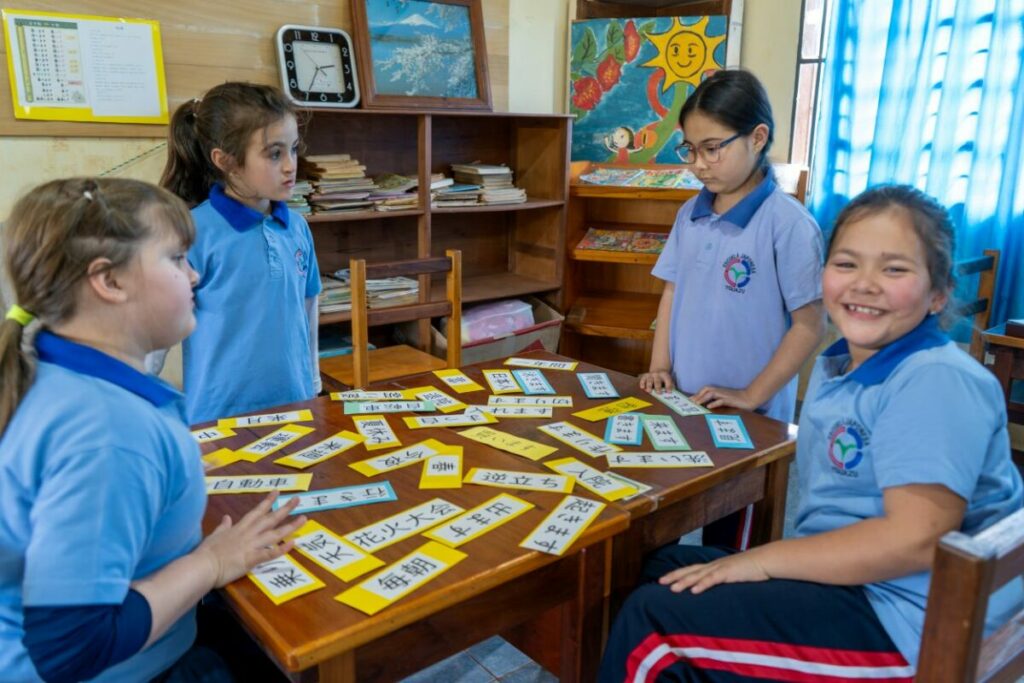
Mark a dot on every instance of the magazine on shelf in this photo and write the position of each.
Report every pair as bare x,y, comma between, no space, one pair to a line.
636,241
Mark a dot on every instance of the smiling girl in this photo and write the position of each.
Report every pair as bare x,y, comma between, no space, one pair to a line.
234,157
902,439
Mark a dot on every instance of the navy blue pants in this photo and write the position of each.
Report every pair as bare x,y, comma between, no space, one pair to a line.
777,630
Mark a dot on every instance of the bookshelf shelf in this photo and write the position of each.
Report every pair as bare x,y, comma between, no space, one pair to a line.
624,315
602,256
490,208
360,216
610,297
508,250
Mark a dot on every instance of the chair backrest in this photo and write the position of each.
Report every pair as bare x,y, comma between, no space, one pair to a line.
979,308
450,307
967,570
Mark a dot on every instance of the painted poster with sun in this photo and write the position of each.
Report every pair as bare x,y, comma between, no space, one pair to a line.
629,79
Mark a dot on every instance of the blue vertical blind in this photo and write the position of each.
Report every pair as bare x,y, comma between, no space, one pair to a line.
931,94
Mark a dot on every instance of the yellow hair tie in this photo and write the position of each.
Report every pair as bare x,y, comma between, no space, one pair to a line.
19,315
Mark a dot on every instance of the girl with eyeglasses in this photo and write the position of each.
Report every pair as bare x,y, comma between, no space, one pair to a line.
741,310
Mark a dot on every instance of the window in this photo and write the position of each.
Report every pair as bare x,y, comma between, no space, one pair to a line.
810,56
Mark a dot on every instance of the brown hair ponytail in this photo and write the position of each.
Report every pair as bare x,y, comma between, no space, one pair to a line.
225,118
54,232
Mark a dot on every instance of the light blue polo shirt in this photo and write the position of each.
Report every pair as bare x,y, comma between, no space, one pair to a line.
250,349
919,411
737,277
100,484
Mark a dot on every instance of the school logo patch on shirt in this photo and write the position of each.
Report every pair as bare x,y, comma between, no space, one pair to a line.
847,441
737,271
300,261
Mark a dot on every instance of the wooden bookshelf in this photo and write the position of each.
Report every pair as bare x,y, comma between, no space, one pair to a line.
508,250
610,298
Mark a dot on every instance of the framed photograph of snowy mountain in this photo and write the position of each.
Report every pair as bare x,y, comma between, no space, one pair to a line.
421,54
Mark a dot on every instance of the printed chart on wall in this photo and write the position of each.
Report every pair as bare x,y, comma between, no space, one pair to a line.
68,67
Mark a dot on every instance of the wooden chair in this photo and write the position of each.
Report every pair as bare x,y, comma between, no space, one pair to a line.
967,570
363,366
980,308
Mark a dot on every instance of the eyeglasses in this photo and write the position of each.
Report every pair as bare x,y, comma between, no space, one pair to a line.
710,152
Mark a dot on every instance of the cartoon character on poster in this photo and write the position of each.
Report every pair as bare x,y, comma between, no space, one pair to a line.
629,79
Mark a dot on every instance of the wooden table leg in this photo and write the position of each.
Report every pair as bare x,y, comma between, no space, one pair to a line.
770,511
1002,368
586,624
340,669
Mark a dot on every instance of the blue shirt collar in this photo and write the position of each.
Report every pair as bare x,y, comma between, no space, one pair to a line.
86,360
744,210
241,217
875,369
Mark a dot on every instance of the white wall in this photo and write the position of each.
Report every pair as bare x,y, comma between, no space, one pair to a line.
538,33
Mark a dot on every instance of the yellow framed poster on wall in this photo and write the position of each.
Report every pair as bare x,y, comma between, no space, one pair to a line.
71,67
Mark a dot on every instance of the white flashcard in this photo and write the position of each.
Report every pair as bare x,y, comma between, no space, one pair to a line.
664,434
661,459
625,429
533,382
678,402
581,440
597,385
373,537
563,525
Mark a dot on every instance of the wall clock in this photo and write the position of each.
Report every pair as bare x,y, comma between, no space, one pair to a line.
317,66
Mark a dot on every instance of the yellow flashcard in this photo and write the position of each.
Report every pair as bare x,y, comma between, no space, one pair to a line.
360,395
391,530
527,481
219,458
478,521
441,400
333,553
272,442
283,579
212,434
425,563
466,419
377,432
442,472
563,525
592,479
324,450
458,381
267,419
625,405
541,364
507,442
502,382
580,439
400,458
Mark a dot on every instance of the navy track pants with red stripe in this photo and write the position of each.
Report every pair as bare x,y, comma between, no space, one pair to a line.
776,630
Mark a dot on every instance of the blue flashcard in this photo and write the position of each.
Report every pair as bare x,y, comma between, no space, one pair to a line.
625,429
533,382
343,497
597,385
728,431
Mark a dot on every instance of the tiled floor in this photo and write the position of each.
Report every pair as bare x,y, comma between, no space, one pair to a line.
496,660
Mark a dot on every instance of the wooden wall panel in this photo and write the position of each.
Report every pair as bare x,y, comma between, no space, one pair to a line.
206,43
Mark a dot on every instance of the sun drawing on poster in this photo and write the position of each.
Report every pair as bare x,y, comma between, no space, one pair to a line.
685,52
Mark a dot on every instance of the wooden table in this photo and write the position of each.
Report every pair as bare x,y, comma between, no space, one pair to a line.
1008,366
554,609
680,500
497,587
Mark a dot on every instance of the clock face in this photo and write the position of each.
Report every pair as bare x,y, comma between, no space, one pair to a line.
317,66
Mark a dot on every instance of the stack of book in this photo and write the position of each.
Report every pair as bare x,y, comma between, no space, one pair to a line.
336,294
297,202
456,194
623,240
339,184
495,181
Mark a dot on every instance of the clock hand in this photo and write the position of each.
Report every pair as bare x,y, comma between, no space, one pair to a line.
318,70
328,66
